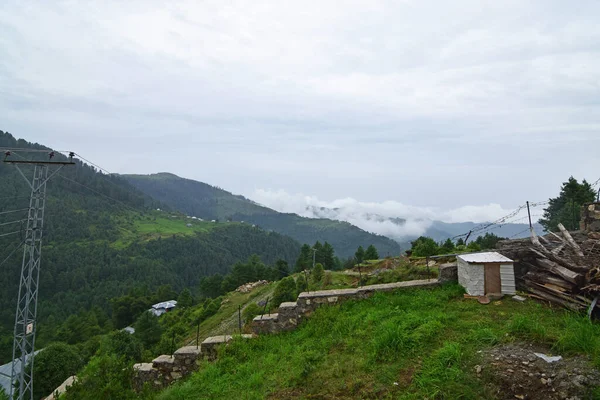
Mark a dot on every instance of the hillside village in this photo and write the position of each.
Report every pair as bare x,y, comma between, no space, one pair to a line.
182,294
290,200
566,376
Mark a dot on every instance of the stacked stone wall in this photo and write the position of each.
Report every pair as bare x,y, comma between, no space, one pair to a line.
166,369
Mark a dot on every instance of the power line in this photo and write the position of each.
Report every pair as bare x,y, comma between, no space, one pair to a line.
26,150
11,253
11,233
520,233
13,211
93,164
12,222
14,197
97,192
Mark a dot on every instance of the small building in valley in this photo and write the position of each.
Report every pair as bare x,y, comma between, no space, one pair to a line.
486,273
159,309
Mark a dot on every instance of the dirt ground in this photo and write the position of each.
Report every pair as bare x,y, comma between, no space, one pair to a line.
515,372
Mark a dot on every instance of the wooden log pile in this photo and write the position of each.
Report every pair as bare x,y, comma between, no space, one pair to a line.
562,268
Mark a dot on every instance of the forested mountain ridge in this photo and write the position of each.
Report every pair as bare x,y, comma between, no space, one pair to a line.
208,202
104,238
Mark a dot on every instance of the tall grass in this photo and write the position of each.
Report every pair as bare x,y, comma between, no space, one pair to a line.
411,344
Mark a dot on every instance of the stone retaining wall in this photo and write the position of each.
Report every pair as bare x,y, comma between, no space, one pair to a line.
165,369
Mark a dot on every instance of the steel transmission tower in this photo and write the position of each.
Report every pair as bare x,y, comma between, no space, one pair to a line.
25,318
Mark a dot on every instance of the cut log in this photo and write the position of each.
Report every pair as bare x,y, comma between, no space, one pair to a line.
556,269
558,249
547,278
570,240
555,299
543,252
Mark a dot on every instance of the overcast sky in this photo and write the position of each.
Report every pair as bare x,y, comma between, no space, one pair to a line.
426,104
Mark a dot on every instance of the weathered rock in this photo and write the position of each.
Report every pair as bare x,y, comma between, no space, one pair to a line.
448,272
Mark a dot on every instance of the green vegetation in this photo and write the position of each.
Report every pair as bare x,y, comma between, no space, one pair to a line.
566,208
212,203
104,239
323,254
284,291
371,253
52,366
411,344
427,247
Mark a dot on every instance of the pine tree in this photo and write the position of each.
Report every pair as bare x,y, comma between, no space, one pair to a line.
566,208
304,260
319,253
360,254
185,298
147,329
371,253
328,260
282,269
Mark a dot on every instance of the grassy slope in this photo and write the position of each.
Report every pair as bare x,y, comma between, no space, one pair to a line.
426,341
225,321
209,202
161,224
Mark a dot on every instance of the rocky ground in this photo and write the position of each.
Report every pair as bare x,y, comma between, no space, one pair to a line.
515,372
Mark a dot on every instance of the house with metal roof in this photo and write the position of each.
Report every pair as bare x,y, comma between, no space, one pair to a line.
488,273
159,309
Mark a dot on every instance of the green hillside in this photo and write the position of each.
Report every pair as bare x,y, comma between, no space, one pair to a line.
209,202
103,238
412,344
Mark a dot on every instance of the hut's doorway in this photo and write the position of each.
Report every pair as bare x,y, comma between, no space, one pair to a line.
493,283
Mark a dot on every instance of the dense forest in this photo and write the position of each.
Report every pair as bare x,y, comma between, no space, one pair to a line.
98,245
212,203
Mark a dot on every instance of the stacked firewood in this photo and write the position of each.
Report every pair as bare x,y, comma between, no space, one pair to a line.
562,268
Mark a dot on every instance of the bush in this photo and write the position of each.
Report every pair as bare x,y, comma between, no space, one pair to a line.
301,284
317,273
147,329
251,311
285,291
52,366
122,344
328,280
104,377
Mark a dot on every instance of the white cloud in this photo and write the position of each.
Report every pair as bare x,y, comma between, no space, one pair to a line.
435,103
376,216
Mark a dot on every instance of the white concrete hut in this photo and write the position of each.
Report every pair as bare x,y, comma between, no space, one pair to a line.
486,273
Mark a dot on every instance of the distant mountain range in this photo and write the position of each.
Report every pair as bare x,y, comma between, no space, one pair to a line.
334,225
212,203
438,230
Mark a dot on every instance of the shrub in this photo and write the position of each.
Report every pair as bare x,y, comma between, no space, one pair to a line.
122,344
147,329
301,284
52,366
328,280
317,273
251,311
285,291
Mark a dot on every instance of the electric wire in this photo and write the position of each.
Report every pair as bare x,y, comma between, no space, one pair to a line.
13,211
12,222
97,192
12,252
10,233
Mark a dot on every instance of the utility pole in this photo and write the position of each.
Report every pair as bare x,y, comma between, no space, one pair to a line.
529,215
314,256
27,300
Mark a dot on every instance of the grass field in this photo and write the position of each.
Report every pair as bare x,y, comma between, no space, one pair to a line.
160,224
412,344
